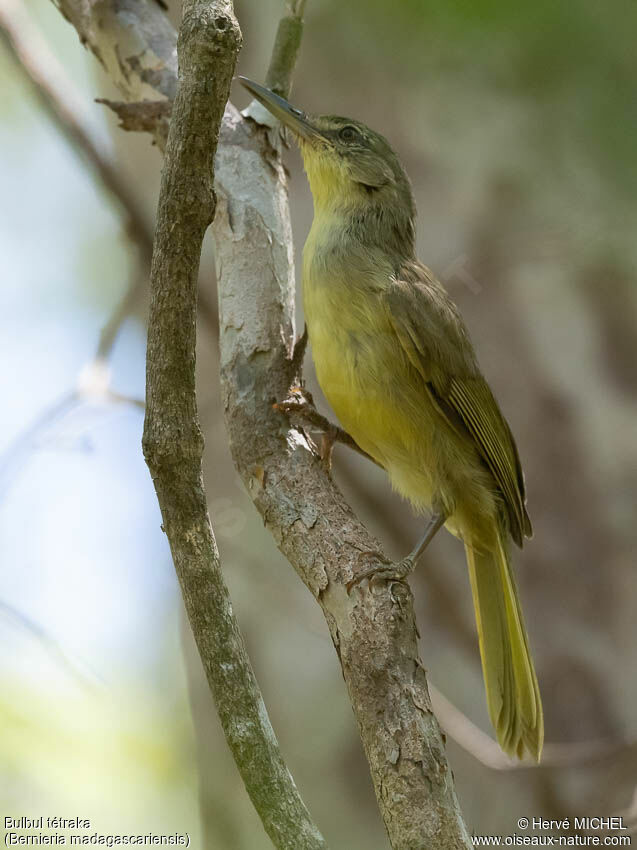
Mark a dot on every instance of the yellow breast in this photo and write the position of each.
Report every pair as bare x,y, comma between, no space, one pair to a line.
355,353
360,364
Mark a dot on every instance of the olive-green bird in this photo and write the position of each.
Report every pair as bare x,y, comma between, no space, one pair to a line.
395,361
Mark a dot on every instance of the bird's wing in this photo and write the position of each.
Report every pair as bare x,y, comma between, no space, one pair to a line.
436,343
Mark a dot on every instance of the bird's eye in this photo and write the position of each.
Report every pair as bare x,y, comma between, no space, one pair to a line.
348,134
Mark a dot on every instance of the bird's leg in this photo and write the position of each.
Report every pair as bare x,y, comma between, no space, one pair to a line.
328,438
301,404
400,570
436,521
298,353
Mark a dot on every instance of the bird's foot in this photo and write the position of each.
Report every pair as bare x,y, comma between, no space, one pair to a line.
381,569
300,404
299,401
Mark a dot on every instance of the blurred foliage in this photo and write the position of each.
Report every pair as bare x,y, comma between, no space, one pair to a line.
518,126
578,55
125,770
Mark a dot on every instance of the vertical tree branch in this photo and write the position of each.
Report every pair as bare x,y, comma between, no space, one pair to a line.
286,48
373,629
209,40
374,632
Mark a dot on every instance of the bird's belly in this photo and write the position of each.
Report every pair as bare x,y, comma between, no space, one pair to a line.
379,396
368,382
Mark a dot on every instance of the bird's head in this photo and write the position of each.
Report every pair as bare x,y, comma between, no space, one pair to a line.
347,164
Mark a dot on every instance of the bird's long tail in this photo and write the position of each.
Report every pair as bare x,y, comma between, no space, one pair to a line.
513,695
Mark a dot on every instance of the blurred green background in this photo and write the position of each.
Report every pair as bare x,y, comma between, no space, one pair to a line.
518,126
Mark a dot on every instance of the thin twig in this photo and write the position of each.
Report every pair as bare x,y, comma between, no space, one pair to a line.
93,384
286,48
122,310
75,666
60,100
209,40
64,106
89,389
15,451
485,750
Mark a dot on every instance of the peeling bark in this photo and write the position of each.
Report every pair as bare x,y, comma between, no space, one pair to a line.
209,40
373,629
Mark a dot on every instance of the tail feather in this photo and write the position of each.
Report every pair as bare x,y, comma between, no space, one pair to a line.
513,695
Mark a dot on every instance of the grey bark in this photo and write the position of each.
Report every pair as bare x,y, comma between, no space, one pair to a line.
373,629
209,40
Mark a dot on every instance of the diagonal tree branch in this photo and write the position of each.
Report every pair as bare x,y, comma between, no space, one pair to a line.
486,750
374,629
374,633
51,86
135,44
209,40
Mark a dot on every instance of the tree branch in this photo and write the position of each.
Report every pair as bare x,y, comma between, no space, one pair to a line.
374,629
286,48
135,44
295,818
484,749
209,41
64,106
57,95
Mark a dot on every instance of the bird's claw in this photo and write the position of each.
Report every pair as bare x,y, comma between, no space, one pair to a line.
381,569
299,400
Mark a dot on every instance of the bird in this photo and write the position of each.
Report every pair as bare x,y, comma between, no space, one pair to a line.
395,361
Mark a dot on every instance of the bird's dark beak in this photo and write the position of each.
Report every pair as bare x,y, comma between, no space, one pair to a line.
297,121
